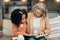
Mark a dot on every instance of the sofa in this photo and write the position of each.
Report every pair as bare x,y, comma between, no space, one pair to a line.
54,24
7,30
55,28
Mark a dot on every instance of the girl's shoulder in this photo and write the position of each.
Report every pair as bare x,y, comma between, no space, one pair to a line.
14,27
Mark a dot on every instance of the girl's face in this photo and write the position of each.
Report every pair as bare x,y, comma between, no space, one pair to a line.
23,18
37,12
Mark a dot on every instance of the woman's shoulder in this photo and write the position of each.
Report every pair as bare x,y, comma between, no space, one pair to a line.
30,13
42,19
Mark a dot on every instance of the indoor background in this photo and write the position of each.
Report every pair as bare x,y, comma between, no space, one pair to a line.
7,6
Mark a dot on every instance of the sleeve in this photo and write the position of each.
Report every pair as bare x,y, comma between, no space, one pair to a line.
27,30
47,25
14,30
28,22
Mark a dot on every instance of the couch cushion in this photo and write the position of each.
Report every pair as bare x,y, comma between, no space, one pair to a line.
55,27
7,27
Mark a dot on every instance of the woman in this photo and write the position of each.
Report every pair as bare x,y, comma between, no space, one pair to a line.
38,23
19,24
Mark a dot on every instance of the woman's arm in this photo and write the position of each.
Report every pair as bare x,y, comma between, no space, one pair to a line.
47,25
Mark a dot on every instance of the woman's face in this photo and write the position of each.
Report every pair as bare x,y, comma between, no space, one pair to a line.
37,12
23,18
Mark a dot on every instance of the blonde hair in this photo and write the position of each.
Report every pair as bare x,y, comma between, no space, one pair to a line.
41,6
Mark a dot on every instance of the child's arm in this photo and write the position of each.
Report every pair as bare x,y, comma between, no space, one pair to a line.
14,30
27,29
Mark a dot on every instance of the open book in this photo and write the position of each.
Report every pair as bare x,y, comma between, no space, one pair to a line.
27,35
37,36
41,35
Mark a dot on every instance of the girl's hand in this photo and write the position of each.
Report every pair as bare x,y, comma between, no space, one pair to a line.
31,34
22,33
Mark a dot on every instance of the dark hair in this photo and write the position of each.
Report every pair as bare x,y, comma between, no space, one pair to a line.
24,12
16,16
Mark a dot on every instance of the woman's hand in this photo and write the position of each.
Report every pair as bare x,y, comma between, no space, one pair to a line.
41,33
47,31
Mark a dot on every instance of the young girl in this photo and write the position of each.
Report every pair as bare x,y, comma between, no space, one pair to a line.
19,24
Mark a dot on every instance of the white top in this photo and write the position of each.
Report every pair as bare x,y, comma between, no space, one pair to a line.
36,25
